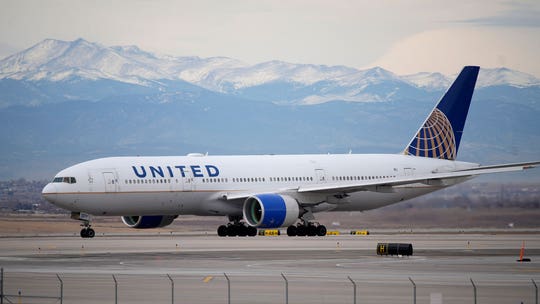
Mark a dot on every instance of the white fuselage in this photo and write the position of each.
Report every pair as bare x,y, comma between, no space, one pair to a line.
198,184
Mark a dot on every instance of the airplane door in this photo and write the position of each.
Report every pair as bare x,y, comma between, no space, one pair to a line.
320,176
111,183
188,181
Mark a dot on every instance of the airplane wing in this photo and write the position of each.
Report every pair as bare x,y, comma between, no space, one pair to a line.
387,185
428,179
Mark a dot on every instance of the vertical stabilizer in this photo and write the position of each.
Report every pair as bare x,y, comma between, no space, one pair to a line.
440,134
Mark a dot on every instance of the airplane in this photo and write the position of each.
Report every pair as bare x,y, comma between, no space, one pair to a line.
273,191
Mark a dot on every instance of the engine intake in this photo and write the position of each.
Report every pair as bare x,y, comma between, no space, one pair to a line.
270,210
148,221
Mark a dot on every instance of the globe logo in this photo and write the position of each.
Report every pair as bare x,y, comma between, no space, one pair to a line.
435,139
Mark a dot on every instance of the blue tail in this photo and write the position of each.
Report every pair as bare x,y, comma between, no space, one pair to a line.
440,134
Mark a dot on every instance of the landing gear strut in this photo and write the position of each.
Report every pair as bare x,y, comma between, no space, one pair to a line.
236,228
304,228
86,231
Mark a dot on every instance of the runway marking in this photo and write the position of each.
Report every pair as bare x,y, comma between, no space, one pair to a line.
9,258
208,279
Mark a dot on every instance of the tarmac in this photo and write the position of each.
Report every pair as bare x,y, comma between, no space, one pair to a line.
199,268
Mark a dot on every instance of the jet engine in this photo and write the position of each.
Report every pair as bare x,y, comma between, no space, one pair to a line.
148,221
270,210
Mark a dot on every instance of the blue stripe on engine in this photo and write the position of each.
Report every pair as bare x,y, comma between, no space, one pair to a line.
274,210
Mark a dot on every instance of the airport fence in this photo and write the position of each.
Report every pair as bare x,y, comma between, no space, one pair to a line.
225,288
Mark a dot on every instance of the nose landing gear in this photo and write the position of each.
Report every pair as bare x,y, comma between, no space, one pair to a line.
86,231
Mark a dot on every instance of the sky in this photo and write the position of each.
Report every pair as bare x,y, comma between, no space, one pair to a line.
404,37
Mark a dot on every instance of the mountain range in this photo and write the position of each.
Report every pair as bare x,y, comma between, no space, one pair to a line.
275,81
66,101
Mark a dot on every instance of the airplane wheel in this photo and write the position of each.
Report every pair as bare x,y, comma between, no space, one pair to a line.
311,230
292,231
222,230
90,233
242,230
321,230
232,230
252,231
301,230
84,233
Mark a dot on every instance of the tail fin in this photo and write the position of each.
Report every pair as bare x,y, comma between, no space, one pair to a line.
440,134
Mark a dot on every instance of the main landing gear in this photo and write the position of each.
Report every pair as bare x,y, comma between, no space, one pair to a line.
86,231
236,228
306,229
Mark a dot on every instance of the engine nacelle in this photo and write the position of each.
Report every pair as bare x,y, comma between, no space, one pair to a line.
148,221
270,210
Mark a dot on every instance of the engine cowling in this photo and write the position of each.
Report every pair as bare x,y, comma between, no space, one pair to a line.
270,210
148,221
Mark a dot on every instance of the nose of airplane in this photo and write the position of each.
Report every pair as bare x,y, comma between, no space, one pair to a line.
49,192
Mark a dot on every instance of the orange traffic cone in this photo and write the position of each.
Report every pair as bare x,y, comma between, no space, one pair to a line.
521,253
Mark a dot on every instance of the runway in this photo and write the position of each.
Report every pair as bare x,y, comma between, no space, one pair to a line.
316,269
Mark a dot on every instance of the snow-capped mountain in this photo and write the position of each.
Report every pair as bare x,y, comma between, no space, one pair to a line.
430,81
504,76
486,78
56,60
275,81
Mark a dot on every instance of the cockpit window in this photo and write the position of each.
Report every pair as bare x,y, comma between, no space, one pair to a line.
69,180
